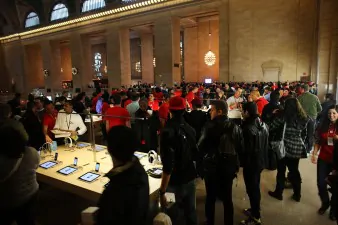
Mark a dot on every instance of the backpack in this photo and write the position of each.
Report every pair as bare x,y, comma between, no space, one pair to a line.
187,147
228,152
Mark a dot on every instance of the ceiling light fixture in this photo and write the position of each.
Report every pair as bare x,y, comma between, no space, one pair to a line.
210,57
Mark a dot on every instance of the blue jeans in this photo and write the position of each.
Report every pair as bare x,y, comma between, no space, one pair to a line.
185,196
323,170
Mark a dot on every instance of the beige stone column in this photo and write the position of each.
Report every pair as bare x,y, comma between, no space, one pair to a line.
46,53
5,84
224,68
15,64
327,50
79,61
147,55
118,57
56,76
167,50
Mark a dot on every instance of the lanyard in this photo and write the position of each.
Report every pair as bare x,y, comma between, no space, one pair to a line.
332,130
68,123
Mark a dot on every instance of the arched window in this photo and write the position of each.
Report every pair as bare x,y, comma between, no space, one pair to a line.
90,5
60,11
32,20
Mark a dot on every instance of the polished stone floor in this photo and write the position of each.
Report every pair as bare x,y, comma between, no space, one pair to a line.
58,208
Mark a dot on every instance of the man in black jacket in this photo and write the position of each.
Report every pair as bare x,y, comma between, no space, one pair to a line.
207,97
196,118
125,201
219,169
254,159
178,147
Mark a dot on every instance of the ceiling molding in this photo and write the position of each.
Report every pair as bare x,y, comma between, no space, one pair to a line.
108,15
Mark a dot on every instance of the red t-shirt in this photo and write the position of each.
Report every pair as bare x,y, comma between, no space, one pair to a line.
326,151
190,96
49,121
158,96
178,93
114,92
153,105
164,111
261,102
127,102
94,101
118,112
105,107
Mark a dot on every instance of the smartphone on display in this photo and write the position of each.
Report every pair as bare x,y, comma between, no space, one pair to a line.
75,161
56,156
97,167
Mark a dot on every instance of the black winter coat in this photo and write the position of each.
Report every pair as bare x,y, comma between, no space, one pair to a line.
256,142
34,129
125,201
210,140
196,119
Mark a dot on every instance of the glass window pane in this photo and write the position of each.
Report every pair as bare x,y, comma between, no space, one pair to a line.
32,20
90,5
60,11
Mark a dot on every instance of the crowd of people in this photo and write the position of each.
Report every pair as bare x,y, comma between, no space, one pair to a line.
200,130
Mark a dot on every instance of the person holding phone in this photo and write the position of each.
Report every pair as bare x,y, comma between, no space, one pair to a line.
128,185
325,136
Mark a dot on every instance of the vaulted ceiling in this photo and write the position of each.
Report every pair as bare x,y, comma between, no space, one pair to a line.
13,12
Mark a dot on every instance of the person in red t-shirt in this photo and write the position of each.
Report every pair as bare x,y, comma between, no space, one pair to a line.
117,116
163,112
178,92
49,119
260,101
326,135
114,91
191,96
158,94
105,104
96,97
152,103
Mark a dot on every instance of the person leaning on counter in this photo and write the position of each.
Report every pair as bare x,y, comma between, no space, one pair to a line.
69,121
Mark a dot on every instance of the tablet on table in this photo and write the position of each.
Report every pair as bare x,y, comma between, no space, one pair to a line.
48,164
67,170
89,177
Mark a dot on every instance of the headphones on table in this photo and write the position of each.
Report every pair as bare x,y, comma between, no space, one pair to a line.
68,142
153,157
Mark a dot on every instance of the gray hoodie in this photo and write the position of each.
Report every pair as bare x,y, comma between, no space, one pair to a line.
18,179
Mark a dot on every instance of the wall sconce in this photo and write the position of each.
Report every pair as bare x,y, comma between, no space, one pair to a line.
74,71
45,72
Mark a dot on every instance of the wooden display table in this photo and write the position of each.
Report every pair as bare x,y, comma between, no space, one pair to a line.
71,183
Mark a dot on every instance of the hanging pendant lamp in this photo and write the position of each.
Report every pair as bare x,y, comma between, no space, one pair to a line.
210,57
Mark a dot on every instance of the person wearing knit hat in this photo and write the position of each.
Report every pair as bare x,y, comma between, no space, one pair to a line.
177,103
178,149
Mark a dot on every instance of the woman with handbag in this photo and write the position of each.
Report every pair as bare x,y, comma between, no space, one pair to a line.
295,121
325,136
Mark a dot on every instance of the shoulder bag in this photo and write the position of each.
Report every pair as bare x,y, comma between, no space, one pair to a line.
278,146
